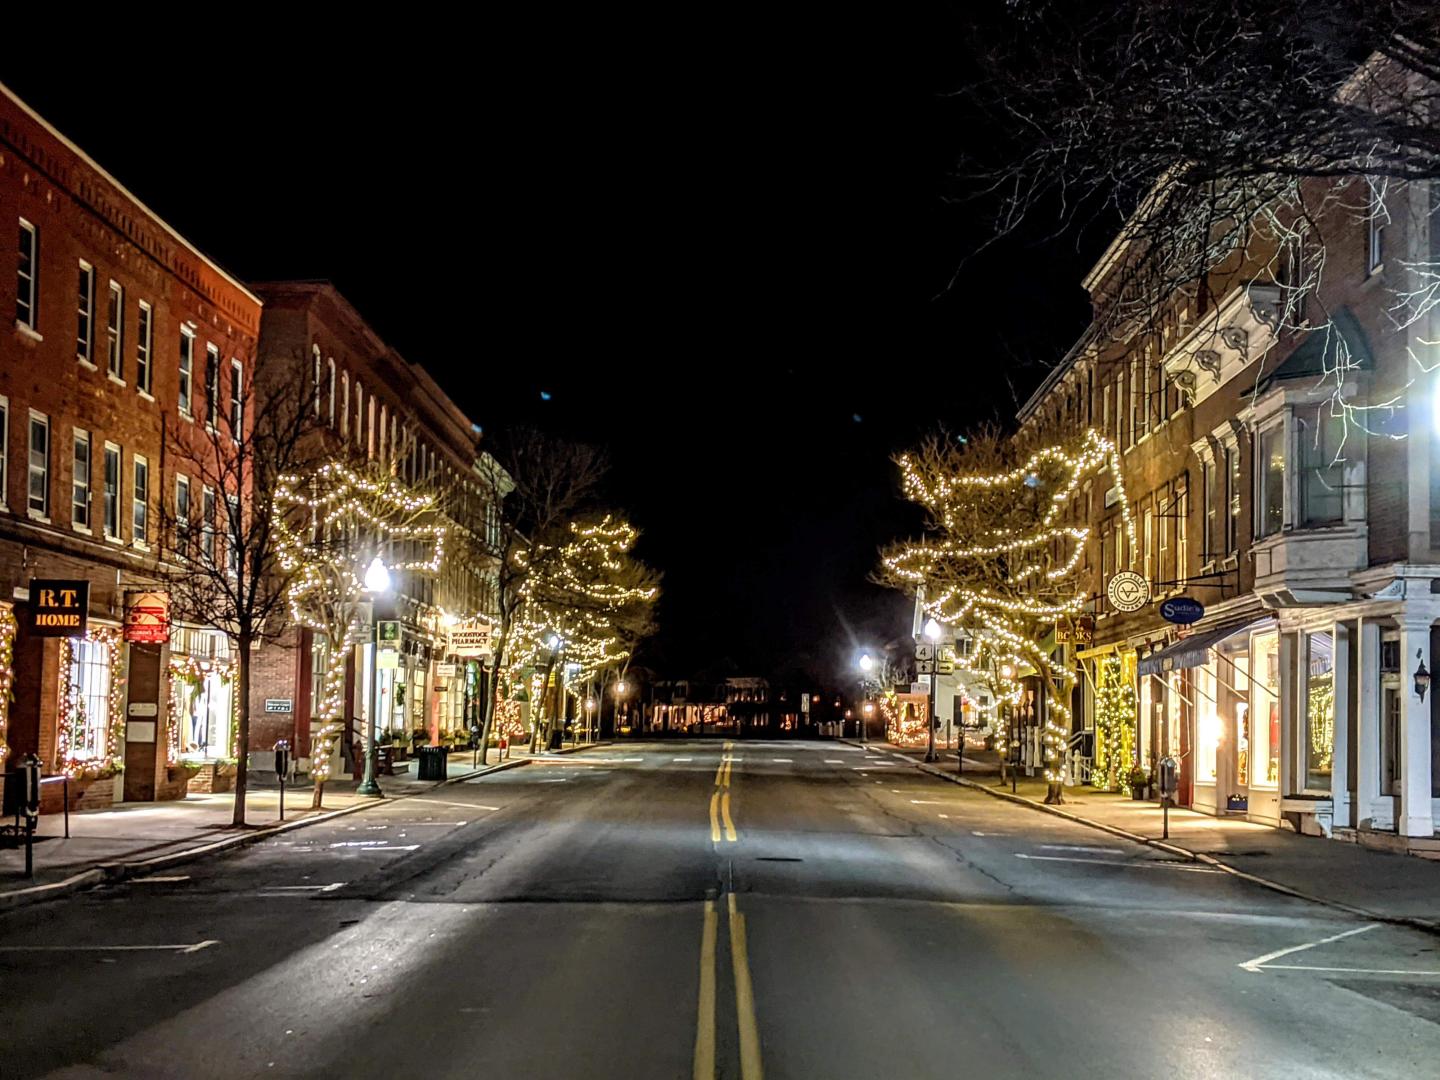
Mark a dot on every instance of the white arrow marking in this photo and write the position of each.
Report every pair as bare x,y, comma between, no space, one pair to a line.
1256,964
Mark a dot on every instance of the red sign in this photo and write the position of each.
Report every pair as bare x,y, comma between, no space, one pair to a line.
147,616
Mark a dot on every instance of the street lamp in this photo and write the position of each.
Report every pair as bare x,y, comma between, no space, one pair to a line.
377,584
932,634
866,663
620,688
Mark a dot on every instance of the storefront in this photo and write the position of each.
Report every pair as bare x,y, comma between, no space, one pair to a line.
203,725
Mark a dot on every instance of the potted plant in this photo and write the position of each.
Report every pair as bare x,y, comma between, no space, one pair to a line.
1139,781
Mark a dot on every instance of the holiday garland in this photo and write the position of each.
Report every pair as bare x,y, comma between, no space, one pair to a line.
72,747
7,675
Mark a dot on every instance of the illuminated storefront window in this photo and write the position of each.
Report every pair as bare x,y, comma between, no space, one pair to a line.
1264,713
1207,724
1318,744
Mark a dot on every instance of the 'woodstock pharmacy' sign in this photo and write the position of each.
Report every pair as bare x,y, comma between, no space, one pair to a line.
470,639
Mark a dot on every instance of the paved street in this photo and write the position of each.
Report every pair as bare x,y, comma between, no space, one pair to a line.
708,909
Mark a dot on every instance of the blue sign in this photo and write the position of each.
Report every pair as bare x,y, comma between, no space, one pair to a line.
1182,610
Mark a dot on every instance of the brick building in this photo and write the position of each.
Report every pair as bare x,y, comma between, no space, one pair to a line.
373,405
1299,507
122,332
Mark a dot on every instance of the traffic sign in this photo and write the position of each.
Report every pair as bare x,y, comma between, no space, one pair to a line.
1128,591
924,667
389,632
925,652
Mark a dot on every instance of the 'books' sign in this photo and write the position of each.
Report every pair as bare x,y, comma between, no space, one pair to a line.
60,607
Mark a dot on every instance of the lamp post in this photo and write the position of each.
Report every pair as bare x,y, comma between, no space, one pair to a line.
932,634
620,687
377,583
867,665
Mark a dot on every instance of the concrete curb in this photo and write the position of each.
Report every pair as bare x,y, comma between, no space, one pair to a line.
1415,923
110,873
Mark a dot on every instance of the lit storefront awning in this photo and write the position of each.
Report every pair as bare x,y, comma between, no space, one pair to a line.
1188,652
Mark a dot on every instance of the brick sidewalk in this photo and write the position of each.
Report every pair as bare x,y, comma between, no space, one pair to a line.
1376,883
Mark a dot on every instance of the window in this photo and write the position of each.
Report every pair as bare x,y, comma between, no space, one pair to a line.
1149,540
212,384
1322,477
1182,531
1376,220
143,327
1318,744
207,524
4,452
1137,404
80,481
370,429
315,376
384,423
85,314
232,535
90,686
115,332
1264,736
1207,519
26,271
182,516
1232,499
140,503
359,413
112,491
1270,507
1165,526
345,405
39,489
187,369
331,419
237,400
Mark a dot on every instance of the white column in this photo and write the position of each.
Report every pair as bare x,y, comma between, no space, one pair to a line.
1367,735
1416,818
1340,775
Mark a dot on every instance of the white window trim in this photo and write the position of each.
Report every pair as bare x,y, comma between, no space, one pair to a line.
42,516
4,453
137,503
144,345
113,290
183,518
237,399
87,358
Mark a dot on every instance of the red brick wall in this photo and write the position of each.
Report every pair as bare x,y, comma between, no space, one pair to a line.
275,673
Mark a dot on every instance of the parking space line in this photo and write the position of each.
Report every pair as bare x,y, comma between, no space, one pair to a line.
1182,867
1254,966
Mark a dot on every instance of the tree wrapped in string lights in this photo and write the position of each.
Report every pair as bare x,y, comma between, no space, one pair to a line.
590,597
999,561
336,520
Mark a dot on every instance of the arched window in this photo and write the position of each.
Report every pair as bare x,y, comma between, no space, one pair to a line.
382,432
332,392
345,405
359,413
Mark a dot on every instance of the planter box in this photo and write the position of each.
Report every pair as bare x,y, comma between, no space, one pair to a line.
212,778
84,795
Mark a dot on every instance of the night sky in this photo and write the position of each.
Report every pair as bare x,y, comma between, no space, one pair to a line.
729,262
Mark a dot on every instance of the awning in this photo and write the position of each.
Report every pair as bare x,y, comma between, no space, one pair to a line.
1189,652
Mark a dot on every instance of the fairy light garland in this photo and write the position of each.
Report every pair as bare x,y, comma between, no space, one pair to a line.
7,675
72,742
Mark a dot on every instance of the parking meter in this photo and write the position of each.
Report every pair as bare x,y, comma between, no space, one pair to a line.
30,768
282,770
1169,777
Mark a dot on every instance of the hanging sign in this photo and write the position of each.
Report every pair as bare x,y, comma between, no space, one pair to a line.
470,638
60,607
444,671
1182,610
1079,632
1128,591
147,616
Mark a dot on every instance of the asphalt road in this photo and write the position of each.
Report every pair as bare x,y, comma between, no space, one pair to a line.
715,910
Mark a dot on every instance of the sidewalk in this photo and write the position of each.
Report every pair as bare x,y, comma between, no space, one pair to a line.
112,844
1377,884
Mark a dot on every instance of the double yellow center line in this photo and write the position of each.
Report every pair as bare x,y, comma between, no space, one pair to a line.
750,1066
720,801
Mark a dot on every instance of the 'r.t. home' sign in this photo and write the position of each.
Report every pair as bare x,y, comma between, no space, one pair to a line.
60,607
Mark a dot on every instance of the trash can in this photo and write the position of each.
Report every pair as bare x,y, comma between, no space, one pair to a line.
432,762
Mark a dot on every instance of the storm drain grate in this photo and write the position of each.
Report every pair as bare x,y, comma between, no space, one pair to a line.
777,858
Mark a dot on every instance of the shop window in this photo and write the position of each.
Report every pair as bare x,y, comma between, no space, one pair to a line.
144,332
204,691
90,697
187,370
1318,743
1207,725
1270,506
1265,721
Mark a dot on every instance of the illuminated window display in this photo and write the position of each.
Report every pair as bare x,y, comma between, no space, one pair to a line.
1264,713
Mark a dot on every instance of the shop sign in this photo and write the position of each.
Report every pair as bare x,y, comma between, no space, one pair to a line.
147,616
470,638
1182,610
142,708
60,607
389,659
1079,632
279,704
445,671
1128,591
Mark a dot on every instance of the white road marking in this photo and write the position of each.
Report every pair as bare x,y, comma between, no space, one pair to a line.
160,880
783,760
561,780
945,816
1078,847
927,802
1184,867
977,832
682,759
1254,966
306,888
459,805
110,948
834,761
1345,970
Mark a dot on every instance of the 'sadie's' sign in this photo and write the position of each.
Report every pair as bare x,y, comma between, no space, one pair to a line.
60,607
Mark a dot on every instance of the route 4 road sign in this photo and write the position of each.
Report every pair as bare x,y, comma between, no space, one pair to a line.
924,667
925,652
1128,591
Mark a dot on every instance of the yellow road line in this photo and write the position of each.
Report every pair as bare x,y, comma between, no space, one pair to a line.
714,817
705,1018
729,765
750,1068
725,813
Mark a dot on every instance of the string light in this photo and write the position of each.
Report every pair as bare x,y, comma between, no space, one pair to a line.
7,675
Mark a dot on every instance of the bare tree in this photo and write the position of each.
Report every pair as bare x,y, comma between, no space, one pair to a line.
218,522
1234,139
536,484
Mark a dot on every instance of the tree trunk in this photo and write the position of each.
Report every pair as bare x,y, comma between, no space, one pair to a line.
492,688
332,726
1055,793
242,733
541,729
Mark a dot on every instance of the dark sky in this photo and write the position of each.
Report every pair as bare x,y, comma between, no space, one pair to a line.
728,260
